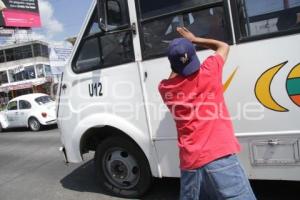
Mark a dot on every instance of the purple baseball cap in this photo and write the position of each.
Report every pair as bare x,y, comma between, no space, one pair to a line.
182,56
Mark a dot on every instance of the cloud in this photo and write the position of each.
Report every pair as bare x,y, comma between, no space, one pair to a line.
49,23
37,36
50,28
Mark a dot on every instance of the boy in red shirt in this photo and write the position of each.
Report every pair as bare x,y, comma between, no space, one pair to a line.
207,144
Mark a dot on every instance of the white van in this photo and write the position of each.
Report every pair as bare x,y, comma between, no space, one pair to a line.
109,101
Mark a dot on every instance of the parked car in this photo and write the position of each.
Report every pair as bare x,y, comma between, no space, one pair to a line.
31,110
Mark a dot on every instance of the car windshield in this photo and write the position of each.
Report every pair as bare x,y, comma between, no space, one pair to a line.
43,100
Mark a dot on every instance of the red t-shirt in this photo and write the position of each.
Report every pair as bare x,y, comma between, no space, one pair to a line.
204,127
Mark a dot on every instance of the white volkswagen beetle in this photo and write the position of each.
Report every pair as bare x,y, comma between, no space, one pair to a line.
31,110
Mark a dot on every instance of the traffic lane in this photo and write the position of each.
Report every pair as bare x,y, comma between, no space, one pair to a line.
83,179
168,188
31,168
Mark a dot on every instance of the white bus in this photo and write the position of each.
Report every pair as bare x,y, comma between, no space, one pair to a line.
109,101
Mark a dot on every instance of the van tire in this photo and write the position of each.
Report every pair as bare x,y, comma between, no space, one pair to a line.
122,168
34,124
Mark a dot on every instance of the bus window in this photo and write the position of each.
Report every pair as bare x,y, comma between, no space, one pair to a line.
100,49
258,17
116,47
93,26
157,33
89,56
159,7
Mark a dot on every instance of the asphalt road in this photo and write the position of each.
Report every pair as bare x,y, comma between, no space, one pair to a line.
31,168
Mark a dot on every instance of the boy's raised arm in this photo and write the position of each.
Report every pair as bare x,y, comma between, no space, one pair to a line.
220,47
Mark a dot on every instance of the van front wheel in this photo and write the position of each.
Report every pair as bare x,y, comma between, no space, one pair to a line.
122,168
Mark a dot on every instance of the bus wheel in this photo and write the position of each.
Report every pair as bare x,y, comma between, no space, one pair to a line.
122,168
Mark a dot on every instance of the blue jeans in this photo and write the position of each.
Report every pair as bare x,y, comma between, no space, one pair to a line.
223,178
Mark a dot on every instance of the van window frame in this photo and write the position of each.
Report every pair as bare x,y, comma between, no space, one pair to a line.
239,37
216,3
86,36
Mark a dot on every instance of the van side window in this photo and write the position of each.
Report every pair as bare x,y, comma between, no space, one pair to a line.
89,56
117,48
100,49
94,28
152,8
204,19
265,17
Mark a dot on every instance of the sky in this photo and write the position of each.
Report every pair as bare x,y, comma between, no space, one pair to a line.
61,18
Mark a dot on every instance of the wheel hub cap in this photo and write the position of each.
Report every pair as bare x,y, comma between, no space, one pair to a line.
121,169
34,124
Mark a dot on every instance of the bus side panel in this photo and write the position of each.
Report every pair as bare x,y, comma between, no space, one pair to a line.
265,117
269,137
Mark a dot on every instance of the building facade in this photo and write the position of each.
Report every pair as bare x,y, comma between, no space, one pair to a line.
24,68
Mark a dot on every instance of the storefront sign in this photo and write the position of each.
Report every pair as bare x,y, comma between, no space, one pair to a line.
16,87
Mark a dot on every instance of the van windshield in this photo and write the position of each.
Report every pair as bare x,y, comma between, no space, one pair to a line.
43,100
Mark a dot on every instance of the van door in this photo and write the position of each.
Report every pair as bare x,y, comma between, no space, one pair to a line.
103,76
159,22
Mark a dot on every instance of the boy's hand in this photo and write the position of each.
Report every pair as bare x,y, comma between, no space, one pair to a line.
184,32
220,47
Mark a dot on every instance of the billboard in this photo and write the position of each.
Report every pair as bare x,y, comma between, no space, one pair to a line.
19,13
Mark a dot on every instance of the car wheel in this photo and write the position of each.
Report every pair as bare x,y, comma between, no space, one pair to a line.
34,124
122,168
1,129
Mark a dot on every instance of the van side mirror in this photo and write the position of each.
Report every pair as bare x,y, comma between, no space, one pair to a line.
101,15
113,16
